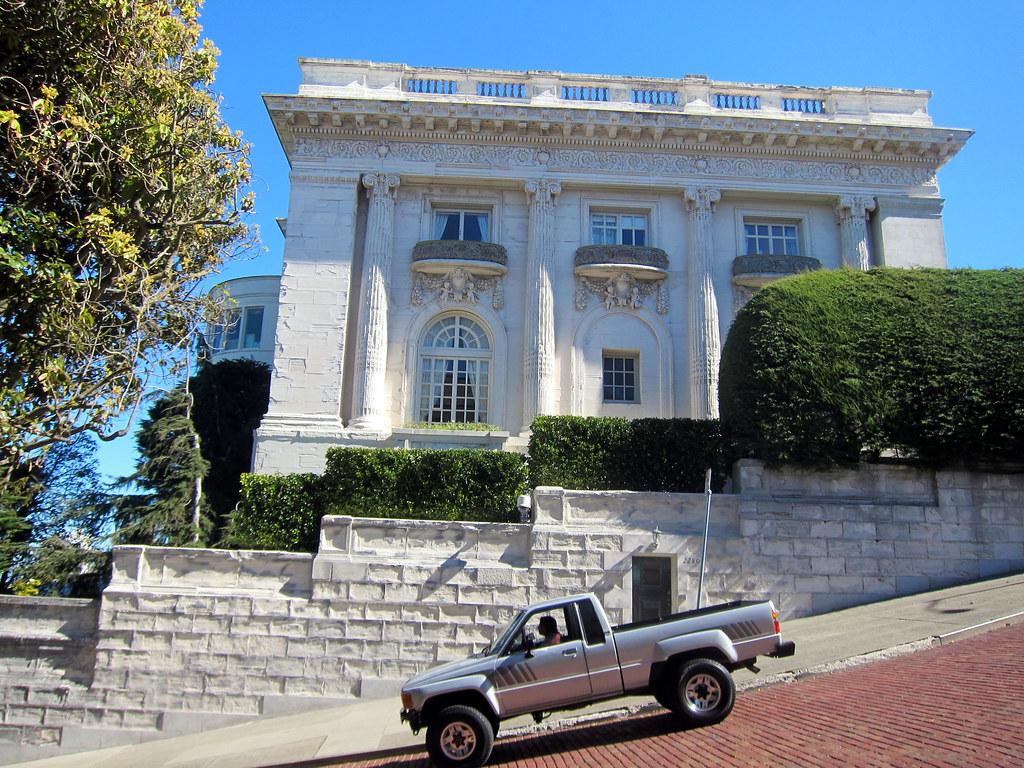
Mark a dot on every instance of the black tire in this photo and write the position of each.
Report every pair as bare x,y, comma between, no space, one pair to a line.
459,737
703,693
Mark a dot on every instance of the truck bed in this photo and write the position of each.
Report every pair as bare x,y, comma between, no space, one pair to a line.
684,615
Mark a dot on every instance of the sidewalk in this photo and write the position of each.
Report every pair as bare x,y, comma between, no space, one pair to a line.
824,643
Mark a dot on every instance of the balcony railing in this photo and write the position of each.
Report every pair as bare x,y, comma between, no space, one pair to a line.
621,256
459,250
758,270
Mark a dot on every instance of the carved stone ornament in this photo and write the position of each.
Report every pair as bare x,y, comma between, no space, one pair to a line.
645,163
457,286
620,291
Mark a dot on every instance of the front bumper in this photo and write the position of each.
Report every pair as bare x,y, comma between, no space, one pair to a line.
412,717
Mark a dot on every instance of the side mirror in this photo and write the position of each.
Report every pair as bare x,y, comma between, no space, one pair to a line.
529,643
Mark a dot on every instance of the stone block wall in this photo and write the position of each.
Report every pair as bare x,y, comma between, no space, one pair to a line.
188,639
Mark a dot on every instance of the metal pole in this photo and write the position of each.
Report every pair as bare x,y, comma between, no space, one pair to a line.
707,525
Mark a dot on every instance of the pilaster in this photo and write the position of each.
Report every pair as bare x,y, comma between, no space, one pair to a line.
371,411
539,335
705,339
852,217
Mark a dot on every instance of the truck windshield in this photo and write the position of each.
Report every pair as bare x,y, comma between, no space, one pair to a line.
510,629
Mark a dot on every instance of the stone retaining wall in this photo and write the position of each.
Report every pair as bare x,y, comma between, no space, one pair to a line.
188,639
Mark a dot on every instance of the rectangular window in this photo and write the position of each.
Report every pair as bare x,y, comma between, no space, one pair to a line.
619,377
771,238
253,327
618,229
232,329
462,225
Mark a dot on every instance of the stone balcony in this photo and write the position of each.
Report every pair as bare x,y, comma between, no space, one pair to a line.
442,256
639,261
755,271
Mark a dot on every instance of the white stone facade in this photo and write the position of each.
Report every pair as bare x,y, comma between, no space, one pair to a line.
586,240
187,639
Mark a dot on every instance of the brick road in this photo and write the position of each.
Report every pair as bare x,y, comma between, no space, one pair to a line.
952,706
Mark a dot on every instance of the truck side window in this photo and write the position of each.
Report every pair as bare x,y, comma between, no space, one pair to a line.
592,629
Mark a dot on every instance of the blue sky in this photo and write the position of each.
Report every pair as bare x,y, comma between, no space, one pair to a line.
969,56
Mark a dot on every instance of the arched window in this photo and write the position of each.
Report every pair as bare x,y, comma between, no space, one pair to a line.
454,372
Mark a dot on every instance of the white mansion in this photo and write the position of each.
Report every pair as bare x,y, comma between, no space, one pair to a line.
477,247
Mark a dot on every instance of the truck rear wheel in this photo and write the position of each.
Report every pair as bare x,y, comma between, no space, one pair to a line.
703,694
459,737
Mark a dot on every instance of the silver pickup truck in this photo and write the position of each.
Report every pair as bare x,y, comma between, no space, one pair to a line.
683,660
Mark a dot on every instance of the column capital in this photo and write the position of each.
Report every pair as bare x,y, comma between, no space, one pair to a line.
853,206
542,190
701,198
381,184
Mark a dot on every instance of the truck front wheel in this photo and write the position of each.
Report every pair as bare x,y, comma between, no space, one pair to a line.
703,693
459,737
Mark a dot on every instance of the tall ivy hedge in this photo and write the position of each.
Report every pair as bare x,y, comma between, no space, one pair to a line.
828,367
588,453
284,511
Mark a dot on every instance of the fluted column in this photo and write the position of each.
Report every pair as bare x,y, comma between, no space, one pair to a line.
852,217
705,341
539,335
371,410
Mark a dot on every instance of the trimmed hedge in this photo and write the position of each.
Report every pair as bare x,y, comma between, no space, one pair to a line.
278,512
831,367
422,484
591,453
284,511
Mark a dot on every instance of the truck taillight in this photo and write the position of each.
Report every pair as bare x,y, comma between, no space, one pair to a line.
406,700
775,618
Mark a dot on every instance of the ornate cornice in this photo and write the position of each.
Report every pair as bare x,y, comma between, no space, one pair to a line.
385,121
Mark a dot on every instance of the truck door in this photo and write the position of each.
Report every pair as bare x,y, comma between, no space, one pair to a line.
544,677
602,656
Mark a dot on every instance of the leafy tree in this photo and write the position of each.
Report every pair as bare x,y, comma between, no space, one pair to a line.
170,509
231,397
60,549
119,191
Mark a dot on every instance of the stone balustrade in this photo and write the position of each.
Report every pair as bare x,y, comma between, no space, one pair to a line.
691,94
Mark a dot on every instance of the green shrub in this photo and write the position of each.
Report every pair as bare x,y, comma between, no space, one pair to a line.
421,484
278,512
590,453
284,511
831,367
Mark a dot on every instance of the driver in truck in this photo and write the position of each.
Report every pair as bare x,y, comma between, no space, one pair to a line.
548,629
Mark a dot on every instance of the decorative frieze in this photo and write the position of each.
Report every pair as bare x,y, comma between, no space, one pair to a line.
685,161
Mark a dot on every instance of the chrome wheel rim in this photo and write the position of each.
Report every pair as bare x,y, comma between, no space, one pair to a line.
702,693
458,740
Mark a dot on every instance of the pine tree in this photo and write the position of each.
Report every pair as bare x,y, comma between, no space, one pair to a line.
171,510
